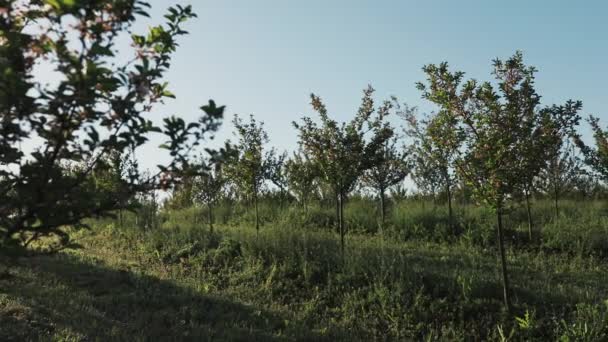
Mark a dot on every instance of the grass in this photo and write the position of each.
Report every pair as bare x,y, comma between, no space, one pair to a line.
180,282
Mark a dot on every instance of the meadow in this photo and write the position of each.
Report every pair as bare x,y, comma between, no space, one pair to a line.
416,281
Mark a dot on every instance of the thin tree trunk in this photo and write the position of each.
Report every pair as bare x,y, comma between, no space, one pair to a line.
503,260
338,212
382,211
210,217
450,214
255,204
341,224
527,193
463,200
154,208
556,199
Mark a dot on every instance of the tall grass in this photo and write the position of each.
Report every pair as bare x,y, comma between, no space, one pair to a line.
581,229
416,282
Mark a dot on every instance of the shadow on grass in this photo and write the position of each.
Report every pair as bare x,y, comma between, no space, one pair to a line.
67,297
61,296
439,272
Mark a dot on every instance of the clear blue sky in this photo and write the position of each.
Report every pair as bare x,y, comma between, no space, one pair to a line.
266,57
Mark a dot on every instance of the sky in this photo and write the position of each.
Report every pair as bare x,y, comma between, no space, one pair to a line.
265,57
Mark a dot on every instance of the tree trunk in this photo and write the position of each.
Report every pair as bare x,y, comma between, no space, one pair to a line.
450,214
464,196
341,224
503,260
527,194
338,212
210,217
556,200
255,204
382,211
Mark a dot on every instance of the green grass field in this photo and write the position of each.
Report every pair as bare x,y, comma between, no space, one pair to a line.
180,282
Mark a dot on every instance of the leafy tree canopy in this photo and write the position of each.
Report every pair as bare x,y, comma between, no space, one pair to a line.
96,106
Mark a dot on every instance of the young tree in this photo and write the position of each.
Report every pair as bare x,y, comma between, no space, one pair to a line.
277,173
389,170
124,169
95,106
586,185
341,152
433,156
302,177
596,157
541,147
147,207
249,164
560,174
426,176
208,185
490,126
182,194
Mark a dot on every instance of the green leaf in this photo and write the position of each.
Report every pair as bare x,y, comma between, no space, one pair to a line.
167,93
61,4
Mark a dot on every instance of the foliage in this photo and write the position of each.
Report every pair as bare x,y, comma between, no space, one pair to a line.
94,108
426,173
492,129
390,170
596,158
277,172
302,174
210,183
341,152
434,152
182,193
560,174
248,164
